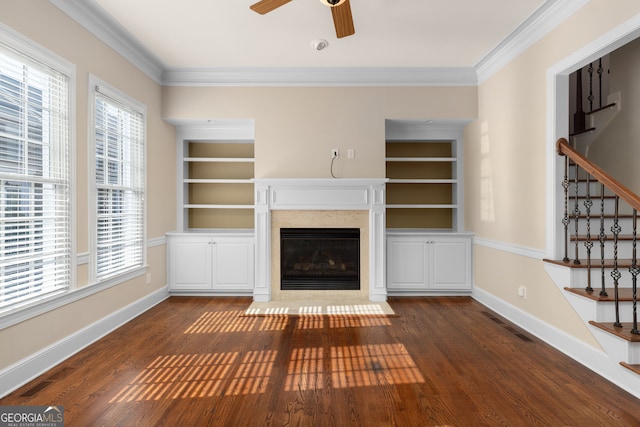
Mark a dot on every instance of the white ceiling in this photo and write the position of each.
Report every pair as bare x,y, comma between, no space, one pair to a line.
389,33
225,42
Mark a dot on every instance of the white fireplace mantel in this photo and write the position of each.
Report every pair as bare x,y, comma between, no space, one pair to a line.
361,194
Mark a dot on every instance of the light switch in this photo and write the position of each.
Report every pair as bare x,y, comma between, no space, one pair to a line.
351,154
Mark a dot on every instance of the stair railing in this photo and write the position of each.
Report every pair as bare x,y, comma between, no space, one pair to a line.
591,84
621,193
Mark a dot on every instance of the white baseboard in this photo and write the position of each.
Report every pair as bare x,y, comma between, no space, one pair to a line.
36,364
592,358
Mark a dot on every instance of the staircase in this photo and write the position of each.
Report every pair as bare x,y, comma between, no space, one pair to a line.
598,273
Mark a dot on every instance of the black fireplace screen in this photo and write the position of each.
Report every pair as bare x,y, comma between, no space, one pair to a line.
320,258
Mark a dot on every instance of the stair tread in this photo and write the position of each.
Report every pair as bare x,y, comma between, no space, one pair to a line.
595,263
623,332
582,132
604,107
624,294
632,367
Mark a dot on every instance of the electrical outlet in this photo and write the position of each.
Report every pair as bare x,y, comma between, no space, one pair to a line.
335,153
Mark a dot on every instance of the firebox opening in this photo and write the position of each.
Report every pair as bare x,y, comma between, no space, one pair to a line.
320,258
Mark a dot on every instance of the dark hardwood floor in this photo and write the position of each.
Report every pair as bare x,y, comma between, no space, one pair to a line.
439,362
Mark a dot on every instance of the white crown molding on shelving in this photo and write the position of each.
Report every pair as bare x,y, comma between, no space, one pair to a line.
93,18
445,129
218,129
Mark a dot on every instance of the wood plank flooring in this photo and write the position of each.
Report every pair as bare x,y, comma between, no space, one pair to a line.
439,362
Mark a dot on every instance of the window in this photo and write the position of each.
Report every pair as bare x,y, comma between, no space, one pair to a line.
35,196
119,177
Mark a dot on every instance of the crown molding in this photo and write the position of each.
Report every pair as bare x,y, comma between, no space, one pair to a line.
95,20
415,130
538,25
208,129
337,76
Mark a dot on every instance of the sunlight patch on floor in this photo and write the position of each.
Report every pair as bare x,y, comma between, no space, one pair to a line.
285,308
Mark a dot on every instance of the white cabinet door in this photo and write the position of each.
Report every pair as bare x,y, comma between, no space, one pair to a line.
190,263
233,264
450,263
407,267
425,263
211,264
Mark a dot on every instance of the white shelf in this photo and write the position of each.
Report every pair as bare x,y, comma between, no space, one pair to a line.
215,171
219,160
424,184
421,181
218,181
421,159
201,206
421,206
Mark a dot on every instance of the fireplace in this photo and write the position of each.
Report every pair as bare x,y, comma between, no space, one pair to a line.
320,258
319,203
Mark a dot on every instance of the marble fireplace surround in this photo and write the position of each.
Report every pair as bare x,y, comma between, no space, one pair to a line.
311,202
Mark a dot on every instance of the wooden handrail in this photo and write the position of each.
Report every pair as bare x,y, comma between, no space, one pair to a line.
564,149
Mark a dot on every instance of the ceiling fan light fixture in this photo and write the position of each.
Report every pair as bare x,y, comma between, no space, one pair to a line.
332,3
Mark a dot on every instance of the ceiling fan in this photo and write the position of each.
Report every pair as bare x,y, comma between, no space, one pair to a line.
340,10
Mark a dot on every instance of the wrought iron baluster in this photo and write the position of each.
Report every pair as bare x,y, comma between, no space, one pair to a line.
576,215
588,243
615,229
634,270
591,96
603,238
579,117
565,219
600,72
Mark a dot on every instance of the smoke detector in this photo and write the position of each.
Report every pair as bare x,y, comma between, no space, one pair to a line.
319,44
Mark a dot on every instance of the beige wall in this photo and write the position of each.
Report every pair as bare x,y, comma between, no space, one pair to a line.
43,23
505,167
296,127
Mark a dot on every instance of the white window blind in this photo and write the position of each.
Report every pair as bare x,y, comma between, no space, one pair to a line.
35,206
120,191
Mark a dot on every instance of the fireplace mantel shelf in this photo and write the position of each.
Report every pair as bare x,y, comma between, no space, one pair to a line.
306,182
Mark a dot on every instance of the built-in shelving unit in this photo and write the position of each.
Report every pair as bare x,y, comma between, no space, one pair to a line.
427,250
217,184
215,171
212,250
422,187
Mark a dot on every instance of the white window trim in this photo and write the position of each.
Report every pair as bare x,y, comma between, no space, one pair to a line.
125,99
34,50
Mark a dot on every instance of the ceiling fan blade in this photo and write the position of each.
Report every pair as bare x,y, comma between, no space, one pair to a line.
342,20
266,6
